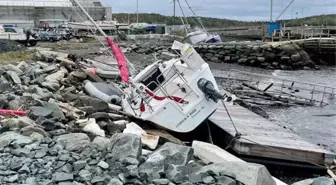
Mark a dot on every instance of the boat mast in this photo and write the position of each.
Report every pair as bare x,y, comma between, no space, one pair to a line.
194,14
178,1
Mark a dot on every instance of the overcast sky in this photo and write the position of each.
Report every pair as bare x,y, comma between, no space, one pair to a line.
230,9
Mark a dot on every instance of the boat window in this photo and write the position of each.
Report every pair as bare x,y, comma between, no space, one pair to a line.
156,76
10,30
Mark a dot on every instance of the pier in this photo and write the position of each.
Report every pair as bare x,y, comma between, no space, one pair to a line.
262,138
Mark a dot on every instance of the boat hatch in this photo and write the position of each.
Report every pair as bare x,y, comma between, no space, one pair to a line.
155,75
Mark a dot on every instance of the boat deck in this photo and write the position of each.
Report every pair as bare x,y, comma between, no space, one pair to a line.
263,138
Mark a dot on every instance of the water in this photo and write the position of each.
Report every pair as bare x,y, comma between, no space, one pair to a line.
316,124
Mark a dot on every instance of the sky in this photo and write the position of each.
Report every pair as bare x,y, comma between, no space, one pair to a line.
250,10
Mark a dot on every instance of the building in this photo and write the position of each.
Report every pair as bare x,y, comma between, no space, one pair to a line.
28,13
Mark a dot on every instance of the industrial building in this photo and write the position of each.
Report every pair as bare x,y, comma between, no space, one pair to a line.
29,13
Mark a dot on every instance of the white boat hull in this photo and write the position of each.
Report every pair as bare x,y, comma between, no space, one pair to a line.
169,116
198,36
185,105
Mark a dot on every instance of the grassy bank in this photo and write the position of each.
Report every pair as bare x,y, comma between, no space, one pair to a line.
16,56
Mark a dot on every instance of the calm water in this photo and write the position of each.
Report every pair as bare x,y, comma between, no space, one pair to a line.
316,124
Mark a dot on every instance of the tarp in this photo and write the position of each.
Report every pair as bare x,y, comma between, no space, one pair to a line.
121,60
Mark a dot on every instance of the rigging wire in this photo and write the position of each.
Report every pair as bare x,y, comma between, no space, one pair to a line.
198,20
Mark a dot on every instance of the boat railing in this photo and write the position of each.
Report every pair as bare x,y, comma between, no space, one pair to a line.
162,89
242,83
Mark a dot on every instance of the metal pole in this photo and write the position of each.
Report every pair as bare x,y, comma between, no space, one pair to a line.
271,19
137,11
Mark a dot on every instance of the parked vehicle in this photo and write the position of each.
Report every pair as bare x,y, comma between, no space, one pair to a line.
18,34
51,36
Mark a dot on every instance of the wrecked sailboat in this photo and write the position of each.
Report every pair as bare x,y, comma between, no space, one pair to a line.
177,95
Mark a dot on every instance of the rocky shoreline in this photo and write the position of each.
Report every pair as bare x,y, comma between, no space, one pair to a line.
53,132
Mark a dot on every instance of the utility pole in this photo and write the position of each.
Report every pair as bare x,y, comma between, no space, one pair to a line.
271,19
137,11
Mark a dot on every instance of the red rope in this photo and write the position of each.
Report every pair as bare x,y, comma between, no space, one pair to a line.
160,98
16,112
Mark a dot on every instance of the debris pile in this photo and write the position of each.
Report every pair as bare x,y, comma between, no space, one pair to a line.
56,129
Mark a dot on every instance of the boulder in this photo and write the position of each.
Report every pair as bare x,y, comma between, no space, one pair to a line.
261,59
168,154
288,49
4,86
74,141
176,173
323,181
56,77
101,142
247,173
295,57
15,78
37,111
305,182
149,140
9,137
122,146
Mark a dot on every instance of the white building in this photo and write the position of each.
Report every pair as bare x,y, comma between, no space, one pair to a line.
28,13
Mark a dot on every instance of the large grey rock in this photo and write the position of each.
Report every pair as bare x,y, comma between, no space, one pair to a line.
323,181
304,182
224,180
20,122
295,57
60,176
122,146
115,181
97,104
53,86
177,174
78,165
11,67
9,137
168,154
37,111
15,78
101,142
74,141
56,110
247,173
56,77
4,86
15,104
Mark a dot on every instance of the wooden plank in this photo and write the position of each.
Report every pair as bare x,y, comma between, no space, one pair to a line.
269,139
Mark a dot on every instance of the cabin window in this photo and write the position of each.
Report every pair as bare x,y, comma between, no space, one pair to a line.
153,78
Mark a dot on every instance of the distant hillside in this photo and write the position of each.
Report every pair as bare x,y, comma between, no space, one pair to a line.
169,20
216,22
316,20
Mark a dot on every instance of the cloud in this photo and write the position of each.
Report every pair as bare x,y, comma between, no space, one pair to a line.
230,9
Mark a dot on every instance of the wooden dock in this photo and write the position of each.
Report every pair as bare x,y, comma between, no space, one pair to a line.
263,138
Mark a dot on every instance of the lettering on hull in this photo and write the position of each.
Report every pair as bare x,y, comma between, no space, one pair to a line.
191,114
